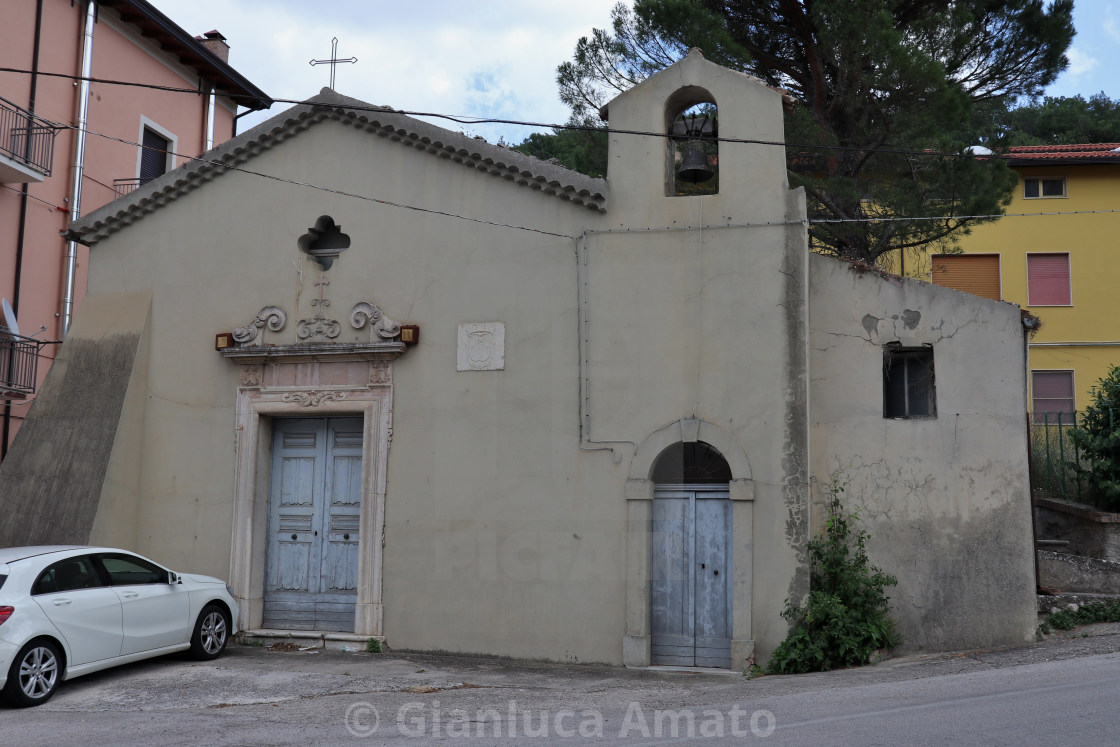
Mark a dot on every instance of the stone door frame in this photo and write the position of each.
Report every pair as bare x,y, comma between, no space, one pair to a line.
639,517
292,383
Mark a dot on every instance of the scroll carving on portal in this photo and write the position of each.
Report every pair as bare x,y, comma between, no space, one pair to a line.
271,316
313,398
380,325
482,347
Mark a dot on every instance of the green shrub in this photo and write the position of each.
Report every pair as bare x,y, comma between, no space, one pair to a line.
1097,438
373,646
1094,612
844,620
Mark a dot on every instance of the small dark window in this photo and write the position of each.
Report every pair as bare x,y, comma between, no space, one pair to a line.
908,390
67,575
125,570
153,158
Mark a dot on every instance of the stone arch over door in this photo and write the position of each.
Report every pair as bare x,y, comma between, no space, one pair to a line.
639,510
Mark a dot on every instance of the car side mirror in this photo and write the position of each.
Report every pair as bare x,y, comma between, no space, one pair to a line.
174,578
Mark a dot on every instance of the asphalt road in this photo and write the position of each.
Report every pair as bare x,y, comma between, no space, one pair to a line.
1055,692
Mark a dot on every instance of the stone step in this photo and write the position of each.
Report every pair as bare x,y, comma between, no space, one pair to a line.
1076,573
309,639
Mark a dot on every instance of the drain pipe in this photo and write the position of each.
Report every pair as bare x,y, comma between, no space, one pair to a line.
79,166
211,100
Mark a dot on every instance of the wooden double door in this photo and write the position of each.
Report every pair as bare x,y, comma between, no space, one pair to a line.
690,581
314,524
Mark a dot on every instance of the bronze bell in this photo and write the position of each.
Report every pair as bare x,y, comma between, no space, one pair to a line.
694,164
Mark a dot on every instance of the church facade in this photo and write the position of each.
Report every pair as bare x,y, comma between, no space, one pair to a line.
397,382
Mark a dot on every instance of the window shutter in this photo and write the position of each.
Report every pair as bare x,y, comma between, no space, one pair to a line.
972,273
153,158
1048,280
1051,391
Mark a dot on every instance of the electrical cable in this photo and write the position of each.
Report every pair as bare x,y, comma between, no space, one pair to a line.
472,120
343,193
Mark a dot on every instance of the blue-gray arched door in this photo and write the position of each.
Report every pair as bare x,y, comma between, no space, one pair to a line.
691,558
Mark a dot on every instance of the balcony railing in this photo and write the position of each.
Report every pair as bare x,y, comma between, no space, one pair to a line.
123,186
19,364
26,138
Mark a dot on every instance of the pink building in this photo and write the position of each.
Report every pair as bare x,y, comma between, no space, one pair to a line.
51,170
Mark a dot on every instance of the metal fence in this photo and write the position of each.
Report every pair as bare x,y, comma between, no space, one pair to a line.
1057,466
26,138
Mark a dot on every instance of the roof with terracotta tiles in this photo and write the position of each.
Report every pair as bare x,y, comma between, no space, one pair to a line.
1065,154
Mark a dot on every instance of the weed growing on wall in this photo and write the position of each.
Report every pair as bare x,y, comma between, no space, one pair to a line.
845,619
1097,438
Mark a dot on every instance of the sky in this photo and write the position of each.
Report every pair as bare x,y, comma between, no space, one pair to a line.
494,58
482,58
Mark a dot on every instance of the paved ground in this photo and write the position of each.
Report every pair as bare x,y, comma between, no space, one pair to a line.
255,695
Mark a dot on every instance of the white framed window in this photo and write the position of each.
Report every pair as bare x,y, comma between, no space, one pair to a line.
156,155
1044,187
1052,396
1048,279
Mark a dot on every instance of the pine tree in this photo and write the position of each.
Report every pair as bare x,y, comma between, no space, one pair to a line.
882,87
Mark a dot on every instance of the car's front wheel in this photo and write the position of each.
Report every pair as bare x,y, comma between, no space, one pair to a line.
211,633
34,675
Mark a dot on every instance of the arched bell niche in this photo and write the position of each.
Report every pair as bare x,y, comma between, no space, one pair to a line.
692,152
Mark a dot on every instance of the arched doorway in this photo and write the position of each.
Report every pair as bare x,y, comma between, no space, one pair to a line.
691,564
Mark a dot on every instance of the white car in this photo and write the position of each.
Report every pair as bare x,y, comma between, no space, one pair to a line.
66,611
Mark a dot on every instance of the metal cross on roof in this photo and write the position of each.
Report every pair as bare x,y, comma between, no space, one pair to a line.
333,60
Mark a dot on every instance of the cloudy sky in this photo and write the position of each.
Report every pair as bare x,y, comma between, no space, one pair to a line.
490,58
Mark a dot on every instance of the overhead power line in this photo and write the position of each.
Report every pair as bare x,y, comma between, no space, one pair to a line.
321,188
471,120
479,120
444,213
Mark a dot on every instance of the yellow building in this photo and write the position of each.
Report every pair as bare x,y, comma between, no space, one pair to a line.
1055,253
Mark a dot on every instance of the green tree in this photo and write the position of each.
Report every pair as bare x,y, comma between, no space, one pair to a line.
881,87
1097,439
584,151
845,618
1061,120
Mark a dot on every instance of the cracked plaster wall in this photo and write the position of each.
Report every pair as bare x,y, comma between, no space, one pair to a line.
946,499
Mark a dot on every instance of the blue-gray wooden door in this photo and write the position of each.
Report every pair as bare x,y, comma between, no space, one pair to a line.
690,577
314,523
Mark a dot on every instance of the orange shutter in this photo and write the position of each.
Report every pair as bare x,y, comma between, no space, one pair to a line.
973,273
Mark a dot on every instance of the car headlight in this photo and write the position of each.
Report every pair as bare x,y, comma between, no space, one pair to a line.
229,589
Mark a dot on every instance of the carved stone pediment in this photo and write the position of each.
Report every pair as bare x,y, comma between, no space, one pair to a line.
271,316
317,337
380,325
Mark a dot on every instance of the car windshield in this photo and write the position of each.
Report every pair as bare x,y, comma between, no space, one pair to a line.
3,578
